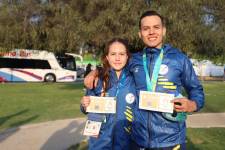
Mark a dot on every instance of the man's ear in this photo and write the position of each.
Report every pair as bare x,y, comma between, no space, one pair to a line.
164,31
139,34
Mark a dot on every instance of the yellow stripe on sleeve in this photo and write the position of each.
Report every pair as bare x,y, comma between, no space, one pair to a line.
162,79
128,107
128,115
129,119
165,83
127,129
170,87
127,110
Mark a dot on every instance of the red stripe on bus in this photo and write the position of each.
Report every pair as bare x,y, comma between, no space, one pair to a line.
29,73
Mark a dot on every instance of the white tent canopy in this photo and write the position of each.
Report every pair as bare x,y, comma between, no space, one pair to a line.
207,68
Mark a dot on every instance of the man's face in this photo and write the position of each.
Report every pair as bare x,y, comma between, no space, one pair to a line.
152,31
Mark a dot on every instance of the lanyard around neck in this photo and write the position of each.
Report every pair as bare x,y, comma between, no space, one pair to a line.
121,83
151,83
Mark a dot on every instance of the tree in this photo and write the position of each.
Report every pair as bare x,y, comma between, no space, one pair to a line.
195,26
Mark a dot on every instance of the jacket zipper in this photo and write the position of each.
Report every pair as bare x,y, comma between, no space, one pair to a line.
115,115
149,113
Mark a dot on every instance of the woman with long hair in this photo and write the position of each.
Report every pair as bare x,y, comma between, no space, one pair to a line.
114,81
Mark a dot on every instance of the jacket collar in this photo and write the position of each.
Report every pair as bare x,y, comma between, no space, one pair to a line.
113,76
166,49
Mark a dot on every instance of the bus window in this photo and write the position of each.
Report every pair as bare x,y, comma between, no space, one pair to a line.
70,65
24,63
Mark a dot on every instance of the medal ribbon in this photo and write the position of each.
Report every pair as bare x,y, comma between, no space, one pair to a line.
151,83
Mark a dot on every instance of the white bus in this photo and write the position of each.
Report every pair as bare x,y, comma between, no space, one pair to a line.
36,66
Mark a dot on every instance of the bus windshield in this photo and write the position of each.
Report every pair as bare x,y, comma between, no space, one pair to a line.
66,61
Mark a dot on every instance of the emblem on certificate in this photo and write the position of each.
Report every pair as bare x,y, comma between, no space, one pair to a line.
92,128
156,101
102,105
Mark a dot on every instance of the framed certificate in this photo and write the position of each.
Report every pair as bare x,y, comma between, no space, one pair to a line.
156,101
102,105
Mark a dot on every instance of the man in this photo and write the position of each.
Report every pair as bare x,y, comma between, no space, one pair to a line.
163,69
153,129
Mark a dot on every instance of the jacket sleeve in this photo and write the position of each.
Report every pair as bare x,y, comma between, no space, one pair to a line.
131,63
191,84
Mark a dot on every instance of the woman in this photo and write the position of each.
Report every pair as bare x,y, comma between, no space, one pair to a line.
114,81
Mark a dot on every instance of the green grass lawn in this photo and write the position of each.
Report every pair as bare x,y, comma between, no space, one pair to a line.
197,139
214,96
206,139
22,103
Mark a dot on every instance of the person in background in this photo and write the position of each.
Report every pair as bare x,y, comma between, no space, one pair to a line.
88,69
114,81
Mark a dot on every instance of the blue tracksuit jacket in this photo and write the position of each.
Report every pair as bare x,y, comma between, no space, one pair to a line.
150,128
115,132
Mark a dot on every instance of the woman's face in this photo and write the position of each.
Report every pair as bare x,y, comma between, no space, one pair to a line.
117,56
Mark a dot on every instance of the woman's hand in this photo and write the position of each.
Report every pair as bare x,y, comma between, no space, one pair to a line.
85,101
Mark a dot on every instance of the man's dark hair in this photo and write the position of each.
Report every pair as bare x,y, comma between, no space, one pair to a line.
151,13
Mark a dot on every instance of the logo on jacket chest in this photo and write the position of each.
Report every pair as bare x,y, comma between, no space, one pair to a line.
136,69
130,98
163,69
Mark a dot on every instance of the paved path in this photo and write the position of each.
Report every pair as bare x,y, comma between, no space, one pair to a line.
61,134
54,135
206,120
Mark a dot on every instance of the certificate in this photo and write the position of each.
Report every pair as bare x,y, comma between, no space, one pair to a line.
102,105
92,128
156,101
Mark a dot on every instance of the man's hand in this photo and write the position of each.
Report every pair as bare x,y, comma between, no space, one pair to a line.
184,105
91,80
85,101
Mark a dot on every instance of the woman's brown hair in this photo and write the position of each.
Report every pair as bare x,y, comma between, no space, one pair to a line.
104,73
